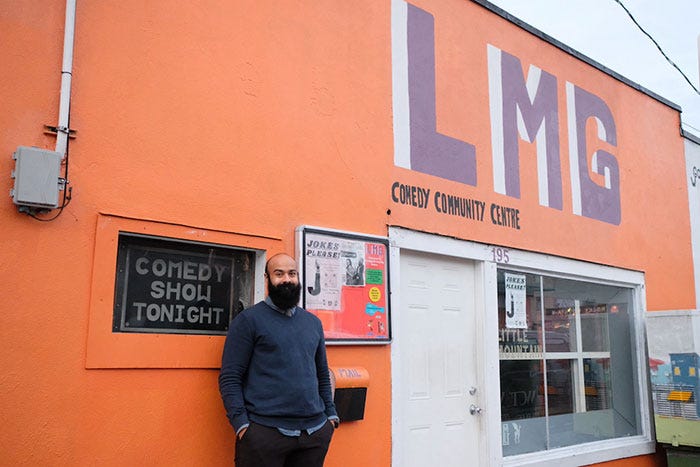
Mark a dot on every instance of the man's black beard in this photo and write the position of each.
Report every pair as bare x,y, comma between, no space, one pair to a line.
285,295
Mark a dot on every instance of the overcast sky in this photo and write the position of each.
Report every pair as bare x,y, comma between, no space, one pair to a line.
602,30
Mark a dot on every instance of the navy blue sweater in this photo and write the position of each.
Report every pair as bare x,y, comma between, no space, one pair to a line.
274,370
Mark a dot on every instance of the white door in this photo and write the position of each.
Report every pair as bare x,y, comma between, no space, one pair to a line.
437,375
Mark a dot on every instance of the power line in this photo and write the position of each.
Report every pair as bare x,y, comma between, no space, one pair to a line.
619,2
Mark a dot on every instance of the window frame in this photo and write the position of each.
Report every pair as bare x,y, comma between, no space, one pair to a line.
108,349
576,357
570,269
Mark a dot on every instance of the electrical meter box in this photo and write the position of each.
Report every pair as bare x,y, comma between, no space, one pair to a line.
37,177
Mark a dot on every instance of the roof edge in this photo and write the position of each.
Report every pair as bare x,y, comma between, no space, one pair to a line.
690,136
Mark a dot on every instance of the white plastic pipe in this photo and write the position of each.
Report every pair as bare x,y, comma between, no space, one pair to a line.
66,75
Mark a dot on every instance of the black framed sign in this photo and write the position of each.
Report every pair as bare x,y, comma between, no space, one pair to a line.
346,284
169,286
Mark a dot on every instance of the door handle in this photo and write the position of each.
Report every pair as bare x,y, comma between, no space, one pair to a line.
474,410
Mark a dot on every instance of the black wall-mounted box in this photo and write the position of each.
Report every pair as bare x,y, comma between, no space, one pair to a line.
350,403
350,392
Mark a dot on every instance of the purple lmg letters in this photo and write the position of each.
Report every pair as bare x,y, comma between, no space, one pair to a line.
520,109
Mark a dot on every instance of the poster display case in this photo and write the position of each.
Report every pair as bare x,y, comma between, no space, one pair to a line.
345,280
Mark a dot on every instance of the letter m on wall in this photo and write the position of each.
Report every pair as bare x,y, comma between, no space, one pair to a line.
528,109
417,144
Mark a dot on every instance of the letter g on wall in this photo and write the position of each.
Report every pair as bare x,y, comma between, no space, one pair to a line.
589,198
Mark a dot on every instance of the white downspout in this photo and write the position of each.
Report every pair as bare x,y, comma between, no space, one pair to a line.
66,75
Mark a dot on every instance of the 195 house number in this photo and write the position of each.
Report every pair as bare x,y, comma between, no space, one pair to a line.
500,255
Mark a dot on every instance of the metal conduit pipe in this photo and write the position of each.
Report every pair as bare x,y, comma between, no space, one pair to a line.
66,76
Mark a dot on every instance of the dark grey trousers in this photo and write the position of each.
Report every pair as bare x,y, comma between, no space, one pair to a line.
262,446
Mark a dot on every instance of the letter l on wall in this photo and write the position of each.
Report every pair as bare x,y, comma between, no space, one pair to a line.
415,121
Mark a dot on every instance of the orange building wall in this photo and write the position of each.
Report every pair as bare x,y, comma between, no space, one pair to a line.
649,151
240,121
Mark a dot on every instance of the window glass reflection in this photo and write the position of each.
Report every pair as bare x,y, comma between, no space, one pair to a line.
563,380
596,373
560,386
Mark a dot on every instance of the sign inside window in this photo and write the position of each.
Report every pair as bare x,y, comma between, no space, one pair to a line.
346,284
165,286
516,318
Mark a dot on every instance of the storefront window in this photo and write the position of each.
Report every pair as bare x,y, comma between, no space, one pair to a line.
564,380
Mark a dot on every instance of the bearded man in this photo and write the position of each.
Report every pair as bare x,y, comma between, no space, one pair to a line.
274,378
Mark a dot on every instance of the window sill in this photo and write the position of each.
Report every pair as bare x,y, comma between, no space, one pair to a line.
585,454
